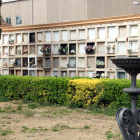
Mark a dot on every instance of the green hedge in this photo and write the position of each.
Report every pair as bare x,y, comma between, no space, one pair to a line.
54,90
113,95
38,89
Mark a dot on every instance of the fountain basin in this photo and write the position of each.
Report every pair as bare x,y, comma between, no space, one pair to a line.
132,90
126,63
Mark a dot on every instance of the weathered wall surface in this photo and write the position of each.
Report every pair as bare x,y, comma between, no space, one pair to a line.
54,11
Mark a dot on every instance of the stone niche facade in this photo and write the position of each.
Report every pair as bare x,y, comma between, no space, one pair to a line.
23,46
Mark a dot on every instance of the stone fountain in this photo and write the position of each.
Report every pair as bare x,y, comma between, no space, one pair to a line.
129,120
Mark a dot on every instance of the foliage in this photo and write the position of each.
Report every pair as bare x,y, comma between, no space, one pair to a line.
129,51
75,92
83,92
60,49
108,47
63,49
66,48
113,95
113,47
49,90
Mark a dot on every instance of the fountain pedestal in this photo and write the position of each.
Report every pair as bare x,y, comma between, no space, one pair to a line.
128,120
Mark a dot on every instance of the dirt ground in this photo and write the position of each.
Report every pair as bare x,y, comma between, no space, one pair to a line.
54,123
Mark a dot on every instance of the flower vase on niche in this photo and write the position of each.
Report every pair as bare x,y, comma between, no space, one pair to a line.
108,51
90,49
129,51
25,52
46,49
113,48
5,64
11,64
108,48
19,51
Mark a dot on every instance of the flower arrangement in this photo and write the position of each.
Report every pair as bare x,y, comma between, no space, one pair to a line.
94,48
108,47
11,40
19,50
60,49
12,63
5,64
129,51
93,75
6,53
45,48
113,47
25,51
72,51
65,49
89,48
98,62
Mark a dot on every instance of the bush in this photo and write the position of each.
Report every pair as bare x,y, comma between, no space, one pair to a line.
83,92
113,94
75,92
49,90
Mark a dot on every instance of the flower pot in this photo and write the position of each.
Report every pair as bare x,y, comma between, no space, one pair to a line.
11,65
89,51
46,53
11,42
100,66
113,50
108,51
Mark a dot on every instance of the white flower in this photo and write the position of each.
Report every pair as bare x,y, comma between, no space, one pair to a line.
98,62
94,48
72,51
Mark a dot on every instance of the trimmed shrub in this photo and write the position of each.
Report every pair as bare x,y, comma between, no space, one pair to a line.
38,89
83,92
76,91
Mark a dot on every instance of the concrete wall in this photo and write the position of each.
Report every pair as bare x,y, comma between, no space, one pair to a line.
53,11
